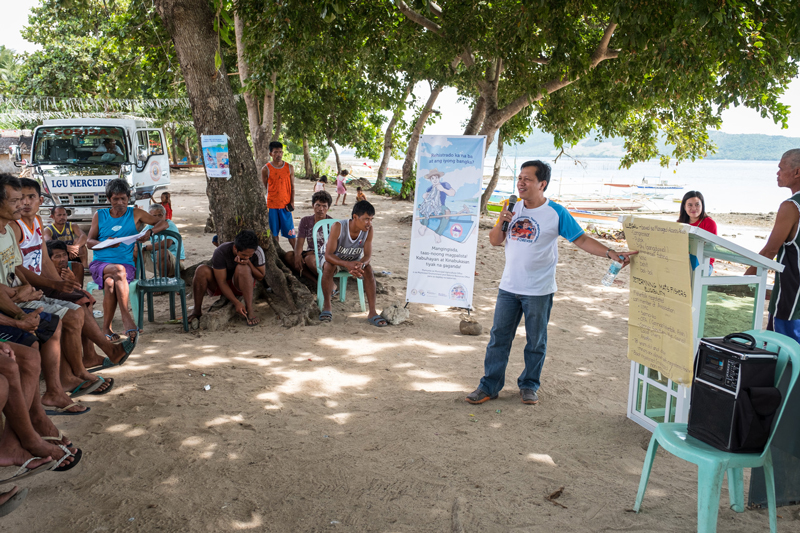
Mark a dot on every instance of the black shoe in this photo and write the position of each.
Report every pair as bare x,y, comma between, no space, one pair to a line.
479,397
529,396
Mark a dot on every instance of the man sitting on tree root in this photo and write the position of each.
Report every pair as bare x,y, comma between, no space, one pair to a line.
235,268
349,248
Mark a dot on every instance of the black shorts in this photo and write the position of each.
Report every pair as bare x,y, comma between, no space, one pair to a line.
47,326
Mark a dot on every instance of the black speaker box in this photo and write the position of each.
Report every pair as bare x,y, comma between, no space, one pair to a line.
734,398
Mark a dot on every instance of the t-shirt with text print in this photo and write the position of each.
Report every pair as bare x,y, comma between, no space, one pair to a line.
532,248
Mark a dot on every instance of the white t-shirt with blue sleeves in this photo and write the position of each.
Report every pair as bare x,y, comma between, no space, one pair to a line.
532,248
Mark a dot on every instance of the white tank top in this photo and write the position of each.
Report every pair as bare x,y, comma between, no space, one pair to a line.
348,249
31,245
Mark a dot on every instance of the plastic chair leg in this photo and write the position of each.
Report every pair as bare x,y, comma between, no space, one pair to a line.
646,468
709,488
140,306
342,288
361,295
183,312
150,311
132,296
736,489
172,306
769,481
320,297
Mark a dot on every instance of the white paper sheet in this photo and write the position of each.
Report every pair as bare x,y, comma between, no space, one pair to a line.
130,239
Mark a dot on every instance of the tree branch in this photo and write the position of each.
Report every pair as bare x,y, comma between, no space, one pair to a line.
416,17
602,52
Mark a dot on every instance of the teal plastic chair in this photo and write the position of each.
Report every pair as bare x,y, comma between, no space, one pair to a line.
161,281
342,276
712,464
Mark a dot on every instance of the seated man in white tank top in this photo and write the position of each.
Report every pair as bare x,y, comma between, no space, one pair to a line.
349,247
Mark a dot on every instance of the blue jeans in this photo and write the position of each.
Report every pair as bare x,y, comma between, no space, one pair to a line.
507,313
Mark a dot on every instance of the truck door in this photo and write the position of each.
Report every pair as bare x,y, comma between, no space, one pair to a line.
153,171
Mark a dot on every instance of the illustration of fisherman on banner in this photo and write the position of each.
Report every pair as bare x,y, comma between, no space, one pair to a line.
441,212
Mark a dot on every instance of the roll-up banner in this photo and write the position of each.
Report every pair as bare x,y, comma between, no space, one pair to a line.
444,233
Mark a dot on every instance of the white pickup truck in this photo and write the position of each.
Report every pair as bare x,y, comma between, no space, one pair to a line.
74,158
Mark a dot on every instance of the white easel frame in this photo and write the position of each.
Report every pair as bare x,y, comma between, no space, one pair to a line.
704,246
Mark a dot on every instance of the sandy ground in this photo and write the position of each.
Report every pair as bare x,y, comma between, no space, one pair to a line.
346,427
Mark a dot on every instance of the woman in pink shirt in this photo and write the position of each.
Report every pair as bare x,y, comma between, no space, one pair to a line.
693,212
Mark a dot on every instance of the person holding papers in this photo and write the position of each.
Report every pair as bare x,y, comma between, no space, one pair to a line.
113,268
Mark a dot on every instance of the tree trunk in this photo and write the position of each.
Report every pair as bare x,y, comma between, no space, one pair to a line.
336,154
276,135
498,163
413,142
236,203
188,147
307,162
173,145
388,139
478,114
260,127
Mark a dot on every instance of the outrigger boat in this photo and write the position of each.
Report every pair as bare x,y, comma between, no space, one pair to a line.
458,228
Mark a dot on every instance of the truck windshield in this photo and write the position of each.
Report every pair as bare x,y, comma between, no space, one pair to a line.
75,144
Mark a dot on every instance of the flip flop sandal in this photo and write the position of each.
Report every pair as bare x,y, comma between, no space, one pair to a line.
249,325
135,330
77,455
110,382
13,502
378,321
80,390
325,316
128,346
50,410
24,471
57,438
115,338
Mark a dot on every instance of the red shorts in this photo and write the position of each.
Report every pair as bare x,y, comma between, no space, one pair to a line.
218,292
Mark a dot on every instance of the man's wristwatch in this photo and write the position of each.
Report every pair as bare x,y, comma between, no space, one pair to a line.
607,251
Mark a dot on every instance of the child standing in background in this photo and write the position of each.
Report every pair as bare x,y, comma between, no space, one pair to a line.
360,195
320,184
165,203
341,190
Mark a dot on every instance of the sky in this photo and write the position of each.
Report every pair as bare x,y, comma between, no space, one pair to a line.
453,113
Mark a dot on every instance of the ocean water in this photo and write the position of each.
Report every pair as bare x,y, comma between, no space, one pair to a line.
728,186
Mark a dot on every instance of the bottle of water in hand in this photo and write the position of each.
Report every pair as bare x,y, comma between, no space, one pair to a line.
611,275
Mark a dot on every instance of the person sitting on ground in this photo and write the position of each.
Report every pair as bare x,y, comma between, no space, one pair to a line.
166,203
349,248
162,245
360,195
113,268
303,261
73,236
341,189
278,178
320,184
235,268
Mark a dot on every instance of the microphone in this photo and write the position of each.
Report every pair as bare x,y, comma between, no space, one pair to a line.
512,201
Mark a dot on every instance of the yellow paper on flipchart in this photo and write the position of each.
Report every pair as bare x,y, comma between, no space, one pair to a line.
660,332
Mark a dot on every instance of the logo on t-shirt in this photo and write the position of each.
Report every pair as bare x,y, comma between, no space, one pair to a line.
116,228
524,229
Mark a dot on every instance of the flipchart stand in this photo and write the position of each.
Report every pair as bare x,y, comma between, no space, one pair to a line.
720,305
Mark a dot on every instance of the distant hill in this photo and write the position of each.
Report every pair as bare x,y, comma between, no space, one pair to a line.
729,146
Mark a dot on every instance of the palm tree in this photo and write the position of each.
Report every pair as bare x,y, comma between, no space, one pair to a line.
9,65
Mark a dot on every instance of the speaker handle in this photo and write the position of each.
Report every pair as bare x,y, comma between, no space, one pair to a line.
745,336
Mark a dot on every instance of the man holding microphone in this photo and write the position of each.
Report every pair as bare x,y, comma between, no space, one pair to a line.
530,229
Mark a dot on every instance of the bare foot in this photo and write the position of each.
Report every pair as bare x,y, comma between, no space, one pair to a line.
45,427
4,497
94,359
13,454
53,399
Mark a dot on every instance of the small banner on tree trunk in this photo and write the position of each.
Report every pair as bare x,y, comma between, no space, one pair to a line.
215,156
444,234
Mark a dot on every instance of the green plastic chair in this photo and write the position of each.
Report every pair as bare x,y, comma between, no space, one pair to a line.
91,286
712,464
342,276
160,282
